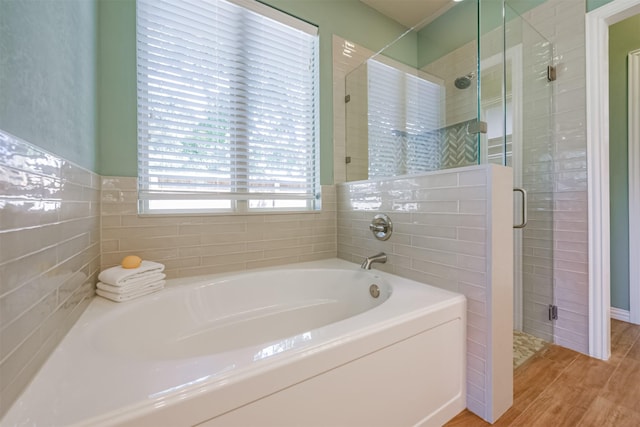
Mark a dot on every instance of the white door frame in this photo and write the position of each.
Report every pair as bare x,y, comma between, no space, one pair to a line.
597,55
634,186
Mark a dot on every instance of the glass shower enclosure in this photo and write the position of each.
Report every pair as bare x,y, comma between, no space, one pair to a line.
479,91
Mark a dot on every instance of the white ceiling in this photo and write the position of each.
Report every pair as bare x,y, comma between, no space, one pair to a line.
411,12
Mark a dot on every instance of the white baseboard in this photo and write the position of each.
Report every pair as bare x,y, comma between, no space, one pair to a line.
620,314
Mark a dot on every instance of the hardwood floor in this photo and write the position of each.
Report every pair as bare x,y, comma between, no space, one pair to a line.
560,387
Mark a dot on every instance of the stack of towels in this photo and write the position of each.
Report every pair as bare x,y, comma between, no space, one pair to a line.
123,284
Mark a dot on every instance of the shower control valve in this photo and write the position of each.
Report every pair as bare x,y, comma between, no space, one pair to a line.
381,226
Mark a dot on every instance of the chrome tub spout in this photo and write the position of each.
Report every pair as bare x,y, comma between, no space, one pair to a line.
381,258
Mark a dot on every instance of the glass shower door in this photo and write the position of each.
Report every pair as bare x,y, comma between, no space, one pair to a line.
516,103
536,174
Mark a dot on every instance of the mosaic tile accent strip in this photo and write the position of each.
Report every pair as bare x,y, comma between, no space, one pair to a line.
457,147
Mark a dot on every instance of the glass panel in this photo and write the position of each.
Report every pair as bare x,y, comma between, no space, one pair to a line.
485,63
404,119
491,100
529,149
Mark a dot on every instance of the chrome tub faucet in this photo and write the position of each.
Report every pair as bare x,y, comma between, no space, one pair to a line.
381,258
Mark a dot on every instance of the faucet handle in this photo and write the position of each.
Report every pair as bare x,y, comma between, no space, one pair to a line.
381,226
377,228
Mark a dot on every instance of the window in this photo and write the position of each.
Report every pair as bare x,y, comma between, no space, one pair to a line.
227,108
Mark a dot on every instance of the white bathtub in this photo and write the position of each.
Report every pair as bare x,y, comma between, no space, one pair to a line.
304,344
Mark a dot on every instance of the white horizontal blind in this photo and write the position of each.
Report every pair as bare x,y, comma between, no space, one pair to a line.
227,107
403,109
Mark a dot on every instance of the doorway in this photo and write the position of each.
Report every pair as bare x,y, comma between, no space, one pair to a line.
597,49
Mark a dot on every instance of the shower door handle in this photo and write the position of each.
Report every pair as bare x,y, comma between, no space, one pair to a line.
524,207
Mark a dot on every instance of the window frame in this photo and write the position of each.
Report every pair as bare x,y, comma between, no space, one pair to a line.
243,200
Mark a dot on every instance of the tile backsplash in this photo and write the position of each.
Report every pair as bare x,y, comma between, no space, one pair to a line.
49,256
194,245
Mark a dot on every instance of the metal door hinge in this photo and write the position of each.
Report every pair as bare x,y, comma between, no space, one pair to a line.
347,159
476,127
551,73
553,312
347,98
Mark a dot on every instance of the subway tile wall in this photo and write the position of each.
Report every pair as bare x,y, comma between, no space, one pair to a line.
195,245
536,176
532,155
459,105
440,237
49,256
562,23
555,242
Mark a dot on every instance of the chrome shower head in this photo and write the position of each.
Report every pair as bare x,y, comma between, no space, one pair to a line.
464,81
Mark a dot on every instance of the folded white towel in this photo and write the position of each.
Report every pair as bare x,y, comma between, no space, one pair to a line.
137,283
131,288
131,295
119,276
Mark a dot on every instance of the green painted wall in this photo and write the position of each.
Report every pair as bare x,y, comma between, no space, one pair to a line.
350,19
623,38
47,76
594,4
459,25
117,121
455,28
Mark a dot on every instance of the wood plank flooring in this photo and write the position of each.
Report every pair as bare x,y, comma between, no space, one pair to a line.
560,387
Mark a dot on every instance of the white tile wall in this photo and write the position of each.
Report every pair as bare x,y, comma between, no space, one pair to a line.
536,176
49,256
442,236
557,230
459,104
562,22
195,245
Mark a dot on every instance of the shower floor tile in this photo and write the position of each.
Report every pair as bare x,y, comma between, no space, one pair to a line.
525,346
